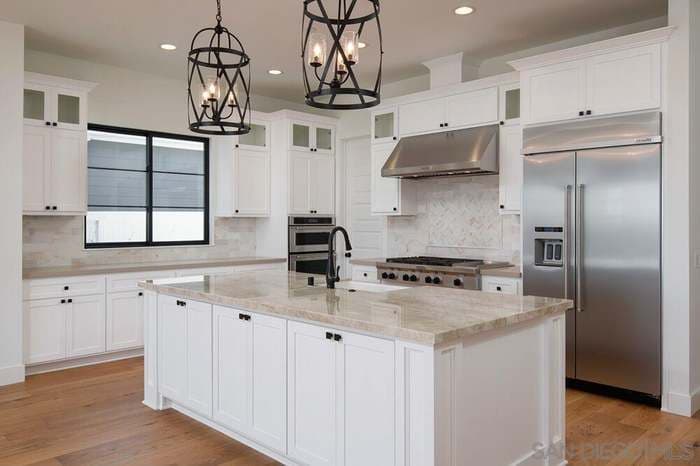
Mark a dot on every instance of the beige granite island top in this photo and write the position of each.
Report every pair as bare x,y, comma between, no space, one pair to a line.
425,315
78,270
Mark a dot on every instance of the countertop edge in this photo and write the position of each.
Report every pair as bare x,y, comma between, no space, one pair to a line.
68,271
512,271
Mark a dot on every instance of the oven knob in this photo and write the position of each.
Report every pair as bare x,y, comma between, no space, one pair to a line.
428,280
436,280
385,275
414,278
406,277
392,276
457,282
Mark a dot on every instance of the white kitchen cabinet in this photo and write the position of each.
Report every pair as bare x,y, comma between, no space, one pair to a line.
556,92
606,83
510,169
250,355
509,104
54,171
44,330
124,328
385,127
55,102
453,112
257,139
389,196
363,273
502,285
341,397
311,183
85,325
312,137
185,353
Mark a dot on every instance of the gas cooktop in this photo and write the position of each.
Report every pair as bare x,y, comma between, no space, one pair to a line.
449,272
438,261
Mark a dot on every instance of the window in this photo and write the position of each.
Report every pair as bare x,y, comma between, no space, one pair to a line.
146,189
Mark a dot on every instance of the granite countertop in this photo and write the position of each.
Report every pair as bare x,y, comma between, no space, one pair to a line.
76,270
512,271
424,315
368,262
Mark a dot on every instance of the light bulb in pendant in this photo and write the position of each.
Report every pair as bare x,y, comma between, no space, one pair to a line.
349,43
316,52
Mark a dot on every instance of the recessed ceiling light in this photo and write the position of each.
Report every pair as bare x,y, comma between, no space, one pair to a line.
361,45
464,10
168,47
275,72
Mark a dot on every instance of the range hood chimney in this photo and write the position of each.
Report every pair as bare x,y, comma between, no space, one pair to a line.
449,70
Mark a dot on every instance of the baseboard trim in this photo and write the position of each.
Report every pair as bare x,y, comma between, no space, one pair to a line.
84,361
681,403
12,375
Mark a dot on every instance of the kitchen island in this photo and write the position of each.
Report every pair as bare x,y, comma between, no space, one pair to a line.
416,376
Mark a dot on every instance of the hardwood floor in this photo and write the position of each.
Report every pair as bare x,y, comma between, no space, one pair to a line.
94,416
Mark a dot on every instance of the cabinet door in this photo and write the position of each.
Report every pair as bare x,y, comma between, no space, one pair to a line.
324,139
199,357
44,330
322,184
232,369
472,108
36,166
625,81
385,191
257,139
299,183
70,108
300,137
509,104
385,126
422,117
68,170
37,105
252,183
268,404
312,395
86,325
552,93
124,320
172,348
366,401
510,169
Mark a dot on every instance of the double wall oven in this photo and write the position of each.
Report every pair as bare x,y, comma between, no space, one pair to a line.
308,243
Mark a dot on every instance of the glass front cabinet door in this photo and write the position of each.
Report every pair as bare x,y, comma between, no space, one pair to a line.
385,125
311,137
54,107
257,139
509,104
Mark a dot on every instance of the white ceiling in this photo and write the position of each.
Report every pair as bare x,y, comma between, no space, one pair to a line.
127,33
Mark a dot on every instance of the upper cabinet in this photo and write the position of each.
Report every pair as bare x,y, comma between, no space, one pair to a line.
582,85
510,169
311,137
385,125
509,104
55,148
311,183
257,139
389,196
452,112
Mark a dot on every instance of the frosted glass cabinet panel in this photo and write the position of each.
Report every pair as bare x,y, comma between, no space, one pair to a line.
256,138
385,125
301,135
35,105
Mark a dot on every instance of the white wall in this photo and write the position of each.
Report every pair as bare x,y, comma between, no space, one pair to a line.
11,80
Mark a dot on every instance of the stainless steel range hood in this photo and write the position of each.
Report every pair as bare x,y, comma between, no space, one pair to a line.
471,151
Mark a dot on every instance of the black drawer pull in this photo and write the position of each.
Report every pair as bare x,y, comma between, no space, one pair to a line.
498,288
337,337
70,300
140,293
66,288
63,301
329,336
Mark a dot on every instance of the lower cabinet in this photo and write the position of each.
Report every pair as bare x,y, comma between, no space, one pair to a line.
185,352
503,285
250,357
340,396
124,320
59,328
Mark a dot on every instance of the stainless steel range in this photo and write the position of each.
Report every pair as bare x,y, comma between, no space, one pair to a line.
435,271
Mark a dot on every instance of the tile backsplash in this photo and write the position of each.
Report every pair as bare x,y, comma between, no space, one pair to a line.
58,241
457,217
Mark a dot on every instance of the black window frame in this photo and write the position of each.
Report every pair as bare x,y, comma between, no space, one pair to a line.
149,135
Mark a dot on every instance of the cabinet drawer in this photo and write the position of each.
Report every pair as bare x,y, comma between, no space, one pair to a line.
129,281
364,274
500,285
64,287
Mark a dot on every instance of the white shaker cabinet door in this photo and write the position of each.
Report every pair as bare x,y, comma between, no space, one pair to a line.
552,93
299,182
172,348
44,330
312,395
472,108
86,325
323,184
36,166
124,320
199,357
625,81
385,192
68,170
422,117
510,169
367,401
252,183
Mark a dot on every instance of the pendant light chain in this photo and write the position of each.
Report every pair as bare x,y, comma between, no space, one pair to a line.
218,11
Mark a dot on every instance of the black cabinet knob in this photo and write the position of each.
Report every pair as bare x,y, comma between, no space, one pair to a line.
236,146
70,300
392,276
63,301
66,288
457,282
428,279
236,210
446,125
502,123
54,208
498,288
337,337
385,275
48,207
437,280
54,124
581,113
364,274
140,293
329,336
395,209
348,254
394,138
440,125
48,123
501,206
414,278
406,277
589,112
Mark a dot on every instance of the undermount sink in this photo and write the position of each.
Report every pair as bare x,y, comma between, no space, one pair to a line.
352,285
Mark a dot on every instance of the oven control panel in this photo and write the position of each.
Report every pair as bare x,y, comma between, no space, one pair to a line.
412,277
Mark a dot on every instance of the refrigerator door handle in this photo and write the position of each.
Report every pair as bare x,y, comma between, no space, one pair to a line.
579,242
567,229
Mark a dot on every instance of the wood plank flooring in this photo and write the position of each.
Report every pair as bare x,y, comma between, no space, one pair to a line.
94,416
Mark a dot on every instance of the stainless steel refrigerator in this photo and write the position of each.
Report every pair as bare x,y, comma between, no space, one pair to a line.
592,233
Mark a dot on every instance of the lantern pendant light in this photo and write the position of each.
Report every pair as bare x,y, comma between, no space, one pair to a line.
331,54
218,89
